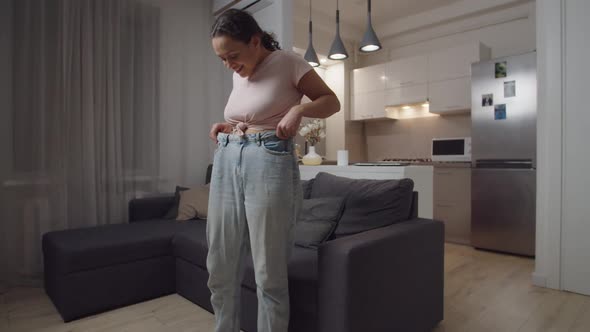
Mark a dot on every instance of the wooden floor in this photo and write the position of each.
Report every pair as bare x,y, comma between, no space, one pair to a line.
483,292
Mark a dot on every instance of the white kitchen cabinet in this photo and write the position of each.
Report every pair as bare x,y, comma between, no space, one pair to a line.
443,77
406,72
450,96
455,62
369,105
406,95
369,79
452,202
358,106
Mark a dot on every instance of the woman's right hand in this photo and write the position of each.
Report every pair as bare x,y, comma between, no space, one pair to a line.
219,127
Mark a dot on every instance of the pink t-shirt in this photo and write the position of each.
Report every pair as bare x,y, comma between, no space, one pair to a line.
262,100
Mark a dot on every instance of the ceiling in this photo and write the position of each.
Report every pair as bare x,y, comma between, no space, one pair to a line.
354,12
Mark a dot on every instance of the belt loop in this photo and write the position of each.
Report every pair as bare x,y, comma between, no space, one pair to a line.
259,138
225,140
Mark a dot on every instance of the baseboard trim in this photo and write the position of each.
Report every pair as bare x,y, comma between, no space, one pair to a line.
539,280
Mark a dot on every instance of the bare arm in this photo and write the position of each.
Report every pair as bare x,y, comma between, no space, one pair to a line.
323,100
323,104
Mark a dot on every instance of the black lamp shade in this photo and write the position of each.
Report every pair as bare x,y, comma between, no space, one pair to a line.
337,50
310,55
370,42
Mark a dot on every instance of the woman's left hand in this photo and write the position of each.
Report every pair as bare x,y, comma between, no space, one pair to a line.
289,125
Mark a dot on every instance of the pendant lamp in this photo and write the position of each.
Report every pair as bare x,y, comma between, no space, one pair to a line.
310,55
338,51
370,42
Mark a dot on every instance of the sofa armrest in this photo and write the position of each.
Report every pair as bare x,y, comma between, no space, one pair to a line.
149,207
385,279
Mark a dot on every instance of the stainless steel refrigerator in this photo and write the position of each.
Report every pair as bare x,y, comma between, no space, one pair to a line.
503,133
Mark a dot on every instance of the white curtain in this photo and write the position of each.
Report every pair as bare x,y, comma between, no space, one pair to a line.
83,121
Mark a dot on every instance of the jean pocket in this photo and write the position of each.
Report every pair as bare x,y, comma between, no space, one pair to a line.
278,147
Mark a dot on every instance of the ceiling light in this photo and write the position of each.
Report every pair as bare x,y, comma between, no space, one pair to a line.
426,104
310,55
338,51
370,42
323,60
406,107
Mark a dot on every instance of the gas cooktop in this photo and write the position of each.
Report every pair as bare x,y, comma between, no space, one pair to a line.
409,160
383,163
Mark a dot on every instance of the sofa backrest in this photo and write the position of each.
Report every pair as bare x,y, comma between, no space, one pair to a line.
369,203
414,208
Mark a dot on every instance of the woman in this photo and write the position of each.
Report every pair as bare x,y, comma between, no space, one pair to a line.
255,193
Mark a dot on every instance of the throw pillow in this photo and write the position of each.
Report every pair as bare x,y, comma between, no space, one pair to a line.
306,187
173,212
318,220
193,203
369,203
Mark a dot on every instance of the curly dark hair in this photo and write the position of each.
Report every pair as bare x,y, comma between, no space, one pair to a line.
240,25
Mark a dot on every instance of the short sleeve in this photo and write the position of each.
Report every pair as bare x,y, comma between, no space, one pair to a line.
300,67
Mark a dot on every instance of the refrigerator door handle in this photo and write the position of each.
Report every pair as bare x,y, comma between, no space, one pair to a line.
504,163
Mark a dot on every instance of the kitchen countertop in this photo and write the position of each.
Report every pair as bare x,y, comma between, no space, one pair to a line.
436,164
451,165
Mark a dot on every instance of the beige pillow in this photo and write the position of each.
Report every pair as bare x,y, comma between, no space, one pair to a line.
193,203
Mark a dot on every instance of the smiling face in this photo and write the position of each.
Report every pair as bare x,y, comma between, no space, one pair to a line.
238,56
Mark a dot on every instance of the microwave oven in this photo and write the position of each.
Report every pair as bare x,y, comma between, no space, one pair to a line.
451,149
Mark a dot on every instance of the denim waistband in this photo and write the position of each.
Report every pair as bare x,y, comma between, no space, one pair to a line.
260,137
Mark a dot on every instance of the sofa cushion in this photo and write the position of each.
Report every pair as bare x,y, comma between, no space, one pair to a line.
96,247
191,243
306,187
318,220
173,212
193,203
369,203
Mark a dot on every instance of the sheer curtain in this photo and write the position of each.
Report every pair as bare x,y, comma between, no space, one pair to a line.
84,121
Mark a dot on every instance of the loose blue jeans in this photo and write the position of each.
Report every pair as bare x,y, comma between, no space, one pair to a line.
255,197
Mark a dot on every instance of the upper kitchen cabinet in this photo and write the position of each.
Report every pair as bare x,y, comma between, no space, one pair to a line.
369,79
450,96
455,62
449,77
406,72
368,105
443,77
406,94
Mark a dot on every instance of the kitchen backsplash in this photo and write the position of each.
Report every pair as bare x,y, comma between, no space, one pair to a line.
412,138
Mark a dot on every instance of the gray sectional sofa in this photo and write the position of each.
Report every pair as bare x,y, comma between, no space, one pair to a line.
383,275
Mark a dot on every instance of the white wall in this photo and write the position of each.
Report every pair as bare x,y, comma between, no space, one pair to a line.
549,118
335,125
278,18
563,249
576,155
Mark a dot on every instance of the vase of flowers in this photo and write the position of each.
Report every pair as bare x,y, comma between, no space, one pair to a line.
313,132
